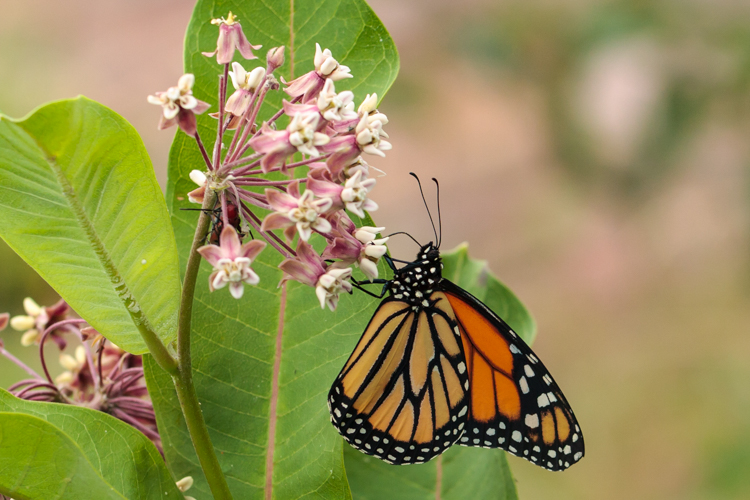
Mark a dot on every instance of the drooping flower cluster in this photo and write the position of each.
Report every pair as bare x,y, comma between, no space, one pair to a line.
97,375
324,137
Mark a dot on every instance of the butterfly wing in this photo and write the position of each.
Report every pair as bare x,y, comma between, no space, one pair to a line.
402,395
515,403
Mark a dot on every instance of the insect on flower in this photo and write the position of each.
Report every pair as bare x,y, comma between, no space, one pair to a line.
436,366
217,221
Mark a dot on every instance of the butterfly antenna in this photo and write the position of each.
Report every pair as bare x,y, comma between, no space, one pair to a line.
425,204
407,234
440,217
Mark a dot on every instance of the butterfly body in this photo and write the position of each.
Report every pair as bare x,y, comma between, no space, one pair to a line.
435,366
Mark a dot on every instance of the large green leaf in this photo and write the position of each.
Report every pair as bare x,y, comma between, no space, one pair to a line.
38,460
234,342
80,203
126,459
460,472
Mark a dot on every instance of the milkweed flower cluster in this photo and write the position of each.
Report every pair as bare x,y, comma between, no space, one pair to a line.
318,140
98,374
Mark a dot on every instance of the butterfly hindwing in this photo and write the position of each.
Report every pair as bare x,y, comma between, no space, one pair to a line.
515,403
402,394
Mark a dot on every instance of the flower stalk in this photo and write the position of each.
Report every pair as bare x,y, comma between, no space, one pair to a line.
183,379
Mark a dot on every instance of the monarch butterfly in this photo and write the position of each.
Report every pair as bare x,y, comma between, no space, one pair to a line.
435,366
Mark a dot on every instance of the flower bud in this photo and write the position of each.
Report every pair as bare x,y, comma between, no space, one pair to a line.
366,234
22,323
4,319
29,337
369,104
68,362
274,59
198,177
255,77
64,378
80,355
185,483
31,307
328,66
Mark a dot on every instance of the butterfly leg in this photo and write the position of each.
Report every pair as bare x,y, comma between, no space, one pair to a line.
358,285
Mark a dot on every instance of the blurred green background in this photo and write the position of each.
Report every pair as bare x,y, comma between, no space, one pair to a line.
594,152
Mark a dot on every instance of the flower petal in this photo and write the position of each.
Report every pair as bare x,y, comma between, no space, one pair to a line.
212,253
299,272
252,248
245,48
249,277
236,288
281,202
275,221
230,242
368,268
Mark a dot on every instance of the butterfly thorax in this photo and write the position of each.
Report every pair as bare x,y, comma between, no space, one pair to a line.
415,282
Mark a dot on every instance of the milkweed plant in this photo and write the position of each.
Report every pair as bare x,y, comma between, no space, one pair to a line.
194,350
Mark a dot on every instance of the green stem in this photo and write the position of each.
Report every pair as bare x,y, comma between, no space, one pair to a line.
183,380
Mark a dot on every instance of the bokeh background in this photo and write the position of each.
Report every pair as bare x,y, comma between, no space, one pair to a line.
594,152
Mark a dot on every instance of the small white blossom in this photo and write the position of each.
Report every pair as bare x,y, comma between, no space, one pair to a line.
303,136
307,215
328,67
354,194
231,262
369,132
336,107
331,285
177,97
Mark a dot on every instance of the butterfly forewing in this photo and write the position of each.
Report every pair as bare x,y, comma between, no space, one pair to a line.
515,403
402,395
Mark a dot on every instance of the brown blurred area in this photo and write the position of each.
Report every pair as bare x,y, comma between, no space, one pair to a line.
594,152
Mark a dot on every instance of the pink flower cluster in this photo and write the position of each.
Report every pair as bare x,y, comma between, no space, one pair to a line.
325,139
97,375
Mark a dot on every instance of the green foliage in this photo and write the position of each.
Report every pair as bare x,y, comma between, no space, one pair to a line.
121,456
38,460
234,342
462,472
80,203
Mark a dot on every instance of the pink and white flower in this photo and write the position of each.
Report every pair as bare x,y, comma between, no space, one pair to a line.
231,262
179,106
300,136
310,269
336,107
353,195
37,319
245,84
367,137
231,37
302,214
356,246
310,84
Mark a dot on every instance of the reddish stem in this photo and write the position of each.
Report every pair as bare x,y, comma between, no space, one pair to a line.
221,129
50,329
270,237
203,150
